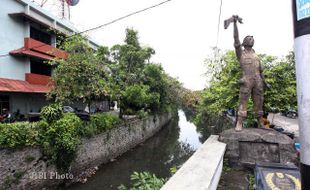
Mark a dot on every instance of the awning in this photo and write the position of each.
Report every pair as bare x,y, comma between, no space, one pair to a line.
11,85
35,48
30,53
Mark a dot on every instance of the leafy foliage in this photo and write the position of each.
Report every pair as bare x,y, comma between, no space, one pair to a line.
123,72
282,78
104,121
144,181
61,140
15,135
52,112
223,89
117,72
80,77
136,83
137,97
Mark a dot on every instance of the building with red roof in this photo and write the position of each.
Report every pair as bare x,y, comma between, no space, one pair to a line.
27,42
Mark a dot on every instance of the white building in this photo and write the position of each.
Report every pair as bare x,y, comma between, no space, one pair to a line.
26,43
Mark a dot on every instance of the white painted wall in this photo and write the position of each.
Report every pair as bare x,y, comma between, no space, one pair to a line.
12,35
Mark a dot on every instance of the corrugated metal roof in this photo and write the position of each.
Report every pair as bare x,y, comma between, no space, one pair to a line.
11,85
30,53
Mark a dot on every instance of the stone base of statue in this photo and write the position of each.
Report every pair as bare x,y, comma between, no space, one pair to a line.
251,145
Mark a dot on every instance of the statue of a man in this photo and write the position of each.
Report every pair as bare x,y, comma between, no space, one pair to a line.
252,81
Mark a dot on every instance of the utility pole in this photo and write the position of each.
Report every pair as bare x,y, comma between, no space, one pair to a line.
301,19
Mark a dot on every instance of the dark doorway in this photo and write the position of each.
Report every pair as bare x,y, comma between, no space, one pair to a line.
4,103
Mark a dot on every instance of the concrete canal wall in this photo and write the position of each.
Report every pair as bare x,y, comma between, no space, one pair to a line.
28,168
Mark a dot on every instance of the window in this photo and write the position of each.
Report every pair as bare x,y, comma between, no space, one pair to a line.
41,68
4,103
40,35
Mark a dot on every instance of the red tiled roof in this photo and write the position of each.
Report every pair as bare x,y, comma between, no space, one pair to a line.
10,85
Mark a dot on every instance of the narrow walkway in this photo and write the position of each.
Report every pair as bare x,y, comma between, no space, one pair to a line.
288,124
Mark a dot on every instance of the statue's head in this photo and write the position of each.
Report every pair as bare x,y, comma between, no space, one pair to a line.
248,41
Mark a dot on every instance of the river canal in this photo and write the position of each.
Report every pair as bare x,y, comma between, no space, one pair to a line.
170,147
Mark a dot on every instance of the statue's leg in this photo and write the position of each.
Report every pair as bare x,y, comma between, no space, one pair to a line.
242,110
258,99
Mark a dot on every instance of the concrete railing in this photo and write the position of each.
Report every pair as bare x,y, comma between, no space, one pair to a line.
203,170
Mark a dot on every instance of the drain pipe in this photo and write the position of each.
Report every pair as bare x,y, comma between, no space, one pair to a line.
301,19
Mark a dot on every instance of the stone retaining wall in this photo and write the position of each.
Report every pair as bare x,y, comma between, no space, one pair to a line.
251,145
29,169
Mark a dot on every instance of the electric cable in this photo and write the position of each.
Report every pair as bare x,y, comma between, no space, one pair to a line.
123,17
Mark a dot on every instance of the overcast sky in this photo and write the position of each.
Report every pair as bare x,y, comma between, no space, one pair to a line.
182,32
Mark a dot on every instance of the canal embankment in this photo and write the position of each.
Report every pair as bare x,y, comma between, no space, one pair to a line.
170,148
28,168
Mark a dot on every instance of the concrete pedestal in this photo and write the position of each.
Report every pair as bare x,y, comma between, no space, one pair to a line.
253,145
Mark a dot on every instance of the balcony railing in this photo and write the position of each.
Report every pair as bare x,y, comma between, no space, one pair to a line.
37,49
40,47
33,78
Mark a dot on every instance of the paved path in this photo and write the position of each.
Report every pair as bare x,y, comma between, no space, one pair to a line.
288,124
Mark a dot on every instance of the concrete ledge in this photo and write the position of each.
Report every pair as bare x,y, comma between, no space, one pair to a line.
203,170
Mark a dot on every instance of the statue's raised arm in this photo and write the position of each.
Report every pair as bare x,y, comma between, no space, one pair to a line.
237,44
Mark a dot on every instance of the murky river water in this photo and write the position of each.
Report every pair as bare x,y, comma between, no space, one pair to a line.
171,146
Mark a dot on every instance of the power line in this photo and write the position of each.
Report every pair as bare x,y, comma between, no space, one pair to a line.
123,17
103,25
218,24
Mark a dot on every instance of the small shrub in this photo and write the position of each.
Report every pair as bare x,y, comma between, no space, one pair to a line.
52,112
142,114
104,121
15,179
173,170
250,120
251,179
14,135
226,166
88,129
144,181
61,140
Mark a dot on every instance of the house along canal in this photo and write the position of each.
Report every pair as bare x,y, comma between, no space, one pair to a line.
170,147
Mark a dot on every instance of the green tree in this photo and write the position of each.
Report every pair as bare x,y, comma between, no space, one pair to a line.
80,77
282,78
223,89
138,97
135,82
